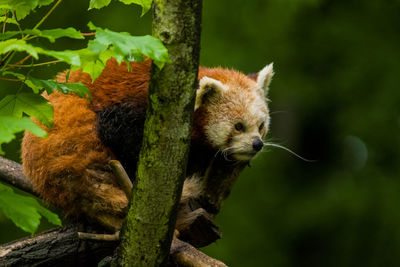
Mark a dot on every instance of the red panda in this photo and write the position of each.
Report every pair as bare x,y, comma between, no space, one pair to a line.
70,168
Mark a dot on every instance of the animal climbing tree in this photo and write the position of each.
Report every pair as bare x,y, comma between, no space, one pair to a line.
147,232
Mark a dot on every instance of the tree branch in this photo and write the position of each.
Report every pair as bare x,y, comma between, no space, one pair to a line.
56,247
11,173
62,246
185,255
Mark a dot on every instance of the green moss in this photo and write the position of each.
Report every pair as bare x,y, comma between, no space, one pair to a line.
146,236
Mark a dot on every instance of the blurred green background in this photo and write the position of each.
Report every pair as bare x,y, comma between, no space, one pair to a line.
335,99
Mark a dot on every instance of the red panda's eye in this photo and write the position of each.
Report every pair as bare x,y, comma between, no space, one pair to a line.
261,126
239,126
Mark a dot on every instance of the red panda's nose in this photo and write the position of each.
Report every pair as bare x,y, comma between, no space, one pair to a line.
258,144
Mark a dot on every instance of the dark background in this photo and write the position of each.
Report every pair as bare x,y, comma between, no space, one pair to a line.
335,99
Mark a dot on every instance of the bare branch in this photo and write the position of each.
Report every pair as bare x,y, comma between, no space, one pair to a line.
11,173
99,237
56,247
185,255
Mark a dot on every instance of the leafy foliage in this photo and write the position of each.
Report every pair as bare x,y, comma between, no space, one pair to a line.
10,125
98,3
122,46
51,85
28,103
23,7
145,4
25,211
51,35
16,48
17,45
92,59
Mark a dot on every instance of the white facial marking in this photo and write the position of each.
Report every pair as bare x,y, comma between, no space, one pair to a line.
218,132
265,77
208,87
255,112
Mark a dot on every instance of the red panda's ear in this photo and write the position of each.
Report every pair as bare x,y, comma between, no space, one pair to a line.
253,76
209,90
264,77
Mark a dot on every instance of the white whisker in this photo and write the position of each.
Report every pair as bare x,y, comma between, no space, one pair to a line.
288,150
226,152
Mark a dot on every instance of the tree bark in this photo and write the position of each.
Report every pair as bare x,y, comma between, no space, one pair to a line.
56,247
62,247
148,228
11,172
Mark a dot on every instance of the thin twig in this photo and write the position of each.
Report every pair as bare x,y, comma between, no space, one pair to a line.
33,65
88,33
99,237
5,58
19,26
47,14
5,22
18,63
10,79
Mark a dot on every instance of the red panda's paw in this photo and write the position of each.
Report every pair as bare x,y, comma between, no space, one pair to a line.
106,204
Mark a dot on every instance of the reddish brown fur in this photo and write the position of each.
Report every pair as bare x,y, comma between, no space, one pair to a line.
116,83
70,168
227,76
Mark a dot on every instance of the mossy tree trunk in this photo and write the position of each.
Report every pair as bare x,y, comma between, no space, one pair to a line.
147,232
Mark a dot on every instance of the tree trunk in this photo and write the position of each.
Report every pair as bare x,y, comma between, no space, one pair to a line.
148,228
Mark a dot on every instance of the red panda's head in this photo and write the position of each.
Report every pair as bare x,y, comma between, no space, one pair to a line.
233,111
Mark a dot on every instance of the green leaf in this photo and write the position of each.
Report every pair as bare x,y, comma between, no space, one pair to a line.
51,85
98,4
51,35
129,47
8,20
69,56
31,104
9,126
15,74
90,63
24,211
17,45
9,34
145,4
57,33
23,7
